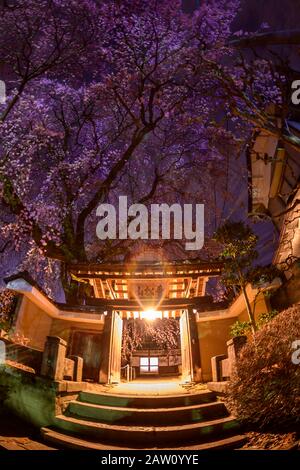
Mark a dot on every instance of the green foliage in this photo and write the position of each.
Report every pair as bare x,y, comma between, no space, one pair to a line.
240,328
239,251
266,317
265,388
239,254
3,396
261,275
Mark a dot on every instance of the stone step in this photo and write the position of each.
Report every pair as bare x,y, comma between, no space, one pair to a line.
68,441
147,416
152,435
147,401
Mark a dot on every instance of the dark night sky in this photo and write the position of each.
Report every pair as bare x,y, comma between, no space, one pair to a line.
279,14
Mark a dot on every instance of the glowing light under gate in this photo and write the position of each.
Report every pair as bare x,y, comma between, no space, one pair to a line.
151,315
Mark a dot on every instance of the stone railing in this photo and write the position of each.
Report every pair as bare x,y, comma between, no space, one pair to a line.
22,354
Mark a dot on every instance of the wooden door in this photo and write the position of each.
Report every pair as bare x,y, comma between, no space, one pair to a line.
88,346
114,368
186,353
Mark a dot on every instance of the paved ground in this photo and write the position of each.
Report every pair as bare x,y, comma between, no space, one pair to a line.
147,386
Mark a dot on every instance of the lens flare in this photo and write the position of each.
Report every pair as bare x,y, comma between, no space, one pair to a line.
150,315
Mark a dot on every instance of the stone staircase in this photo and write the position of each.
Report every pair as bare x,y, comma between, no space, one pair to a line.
107,421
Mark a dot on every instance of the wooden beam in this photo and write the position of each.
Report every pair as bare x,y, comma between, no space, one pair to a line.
184,269
141,276
133,305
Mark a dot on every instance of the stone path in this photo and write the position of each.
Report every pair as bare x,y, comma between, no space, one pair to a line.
142,387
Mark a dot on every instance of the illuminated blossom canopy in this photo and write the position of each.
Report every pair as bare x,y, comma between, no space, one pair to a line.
109,98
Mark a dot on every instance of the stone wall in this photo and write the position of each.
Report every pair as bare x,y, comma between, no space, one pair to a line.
289,293
28,396
35,399
288,256
23,355
289,241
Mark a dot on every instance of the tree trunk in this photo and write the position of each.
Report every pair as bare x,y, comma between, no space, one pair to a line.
69,286
269,38
249,310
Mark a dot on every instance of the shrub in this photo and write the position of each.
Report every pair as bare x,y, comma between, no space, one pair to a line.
266,317
265,388
240,328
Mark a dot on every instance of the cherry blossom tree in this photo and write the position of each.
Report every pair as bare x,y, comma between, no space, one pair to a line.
108,98
163,333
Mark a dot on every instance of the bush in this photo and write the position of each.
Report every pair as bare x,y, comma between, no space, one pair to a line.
265,388
266,317
240,328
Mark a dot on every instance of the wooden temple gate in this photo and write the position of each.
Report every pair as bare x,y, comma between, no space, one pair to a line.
176,291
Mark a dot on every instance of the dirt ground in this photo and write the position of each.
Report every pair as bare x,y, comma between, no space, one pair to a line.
272,441
15,434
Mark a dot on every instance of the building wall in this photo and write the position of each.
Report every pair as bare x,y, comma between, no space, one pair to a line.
64,328
261,306
84,340
213,336
84,336
33,323
282,204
